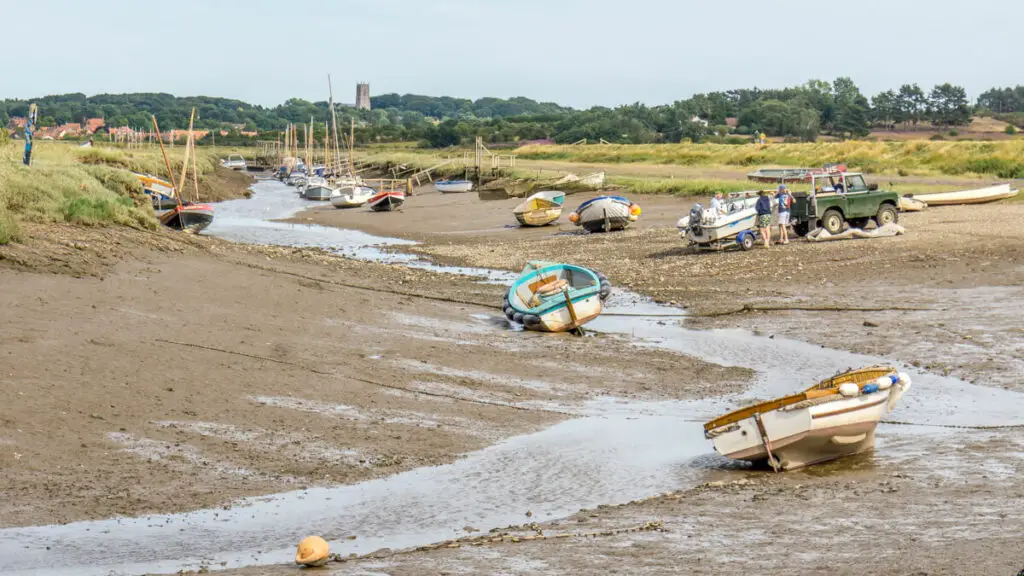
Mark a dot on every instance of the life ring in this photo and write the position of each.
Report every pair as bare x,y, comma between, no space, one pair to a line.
553,288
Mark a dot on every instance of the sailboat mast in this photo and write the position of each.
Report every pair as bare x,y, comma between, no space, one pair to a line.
184,163
334,122
167,162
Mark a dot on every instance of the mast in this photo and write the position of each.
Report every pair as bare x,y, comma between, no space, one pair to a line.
351,144
334,121
184,163
167,162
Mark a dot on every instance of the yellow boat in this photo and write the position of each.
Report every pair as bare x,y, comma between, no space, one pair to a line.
540,209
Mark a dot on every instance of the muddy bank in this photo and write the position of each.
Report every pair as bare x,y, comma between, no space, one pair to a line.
224,184
187,372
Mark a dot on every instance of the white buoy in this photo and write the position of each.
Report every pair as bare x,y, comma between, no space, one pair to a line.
904,378
884,382
849,390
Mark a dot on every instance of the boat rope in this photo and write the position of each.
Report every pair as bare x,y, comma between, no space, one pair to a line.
959,426
506,537
367,381
756,308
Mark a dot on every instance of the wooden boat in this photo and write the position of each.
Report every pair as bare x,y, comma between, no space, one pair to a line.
605,213
552,297
540,209
781,175
977,196
160,191
451,186
911,204
835,417
386,201
188,217
352,196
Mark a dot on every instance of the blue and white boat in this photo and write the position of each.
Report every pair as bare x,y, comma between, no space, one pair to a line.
605,213
449,186
552,297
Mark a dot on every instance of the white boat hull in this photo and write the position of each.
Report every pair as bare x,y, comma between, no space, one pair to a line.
453,187
978,196
352,197
606,215
721,228
810,432
318,192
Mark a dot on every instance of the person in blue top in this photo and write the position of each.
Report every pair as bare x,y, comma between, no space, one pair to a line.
764,217
785,201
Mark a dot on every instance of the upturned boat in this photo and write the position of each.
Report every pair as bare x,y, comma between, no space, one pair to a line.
352,196
605,213
540,209
976,196
451,186
552,297
188,217
836,417
385,201
911,204
782,175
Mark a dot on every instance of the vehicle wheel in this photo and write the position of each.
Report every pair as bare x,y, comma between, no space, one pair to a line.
887,214
747,242
832,221
859,222
801,229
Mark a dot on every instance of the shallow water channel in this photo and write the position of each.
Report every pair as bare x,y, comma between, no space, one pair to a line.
616,453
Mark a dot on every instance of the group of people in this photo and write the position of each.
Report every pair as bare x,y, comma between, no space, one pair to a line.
764,215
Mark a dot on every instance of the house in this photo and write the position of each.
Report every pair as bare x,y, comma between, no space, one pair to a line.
250,134
732,122
182,135
94,124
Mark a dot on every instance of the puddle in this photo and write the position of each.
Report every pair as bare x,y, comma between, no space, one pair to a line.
619,451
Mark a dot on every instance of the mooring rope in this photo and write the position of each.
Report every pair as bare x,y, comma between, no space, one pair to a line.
963,427
366,381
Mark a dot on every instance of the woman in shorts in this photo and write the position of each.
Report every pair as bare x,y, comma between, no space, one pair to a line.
764,217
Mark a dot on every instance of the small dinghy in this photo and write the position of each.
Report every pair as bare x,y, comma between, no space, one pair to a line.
783,175
541,209
188,217
451,186
834,418
385,201
552,297
352,196
317,188
605,213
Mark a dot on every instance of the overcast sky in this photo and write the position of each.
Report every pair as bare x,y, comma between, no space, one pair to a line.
574,52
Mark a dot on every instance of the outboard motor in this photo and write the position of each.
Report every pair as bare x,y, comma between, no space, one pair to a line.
696,219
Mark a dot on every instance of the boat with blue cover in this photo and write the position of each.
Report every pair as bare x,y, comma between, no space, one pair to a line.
553,297
605,213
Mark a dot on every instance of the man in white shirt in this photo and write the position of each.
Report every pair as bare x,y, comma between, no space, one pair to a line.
717,206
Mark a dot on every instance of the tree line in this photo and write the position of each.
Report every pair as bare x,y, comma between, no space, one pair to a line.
802,113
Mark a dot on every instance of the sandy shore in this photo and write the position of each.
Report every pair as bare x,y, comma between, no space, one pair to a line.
158,372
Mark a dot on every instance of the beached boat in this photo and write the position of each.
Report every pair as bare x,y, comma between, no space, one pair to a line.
552,297
706,228
385,201
781,175
450,186
188,217
540,209
160,191
605,213
352,196
911,204
594,180
317,188
835,417
976,196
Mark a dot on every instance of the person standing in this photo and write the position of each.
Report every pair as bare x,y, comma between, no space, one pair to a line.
716,204
785,201
764,217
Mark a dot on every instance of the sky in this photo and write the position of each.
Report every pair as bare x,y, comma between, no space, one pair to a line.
579,53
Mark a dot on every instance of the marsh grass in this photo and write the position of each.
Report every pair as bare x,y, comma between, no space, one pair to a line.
1002,159
87,186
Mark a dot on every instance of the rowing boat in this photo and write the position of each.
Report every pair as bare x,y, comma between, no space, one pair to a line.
552,297
540,209
386,201
836,417
976,196
188,217
450,186
782,175
605,213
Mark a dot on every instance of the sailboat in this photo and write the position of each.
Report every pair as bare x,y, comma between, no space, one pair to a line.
193,216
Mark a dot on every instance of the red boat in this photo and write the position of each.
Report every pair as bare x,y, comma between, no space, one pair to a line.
188,217
386,201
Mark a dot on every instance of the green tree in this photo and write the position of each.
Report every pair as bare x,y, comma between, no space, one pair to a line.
912,103
948,105
852,109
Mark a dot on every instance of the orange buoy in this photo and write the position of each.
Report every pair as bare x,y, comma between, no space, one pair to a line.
313,551
574,217
634,209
